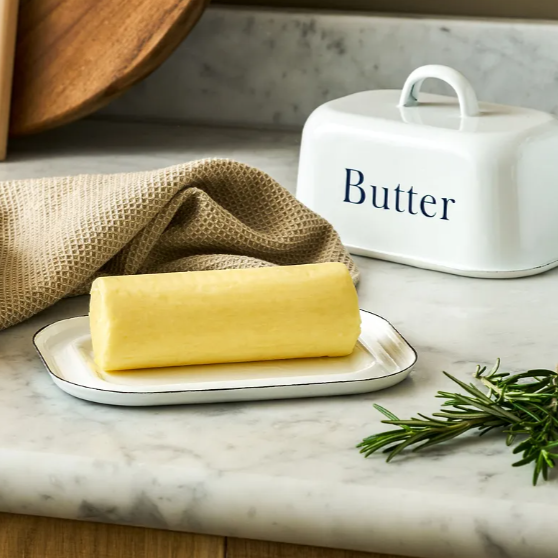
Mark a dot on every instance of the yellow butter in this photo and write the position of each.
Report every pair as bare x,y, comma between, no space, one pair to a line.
238,315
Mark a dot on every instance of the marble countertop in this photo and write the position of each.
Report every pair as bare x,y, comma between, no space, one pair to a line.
282,470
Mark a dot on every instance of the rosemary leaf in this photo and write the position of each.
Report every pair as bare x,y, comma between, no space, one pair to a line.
524,404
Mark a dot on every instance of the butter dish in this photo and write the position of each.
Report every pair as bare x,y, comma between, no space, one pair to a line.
449,184
381,359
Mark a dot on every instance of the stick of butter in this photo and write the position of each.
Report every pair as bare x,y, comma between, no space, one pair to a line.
236,315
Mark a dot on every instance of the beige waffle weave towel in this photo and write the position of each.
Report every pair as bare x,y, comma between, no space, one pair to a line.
58,234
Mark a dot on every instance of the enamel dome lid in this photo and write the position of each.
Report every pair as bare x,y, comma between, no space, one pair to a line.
433,181
463,113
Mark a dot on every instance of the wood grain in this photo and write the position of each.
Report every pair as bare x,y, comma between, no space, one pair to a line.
243,548
534,9
74,56
24,536
8,25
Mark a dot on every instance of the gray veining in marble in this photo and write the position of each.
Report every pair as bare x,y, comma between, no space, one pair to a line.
257,67
282,470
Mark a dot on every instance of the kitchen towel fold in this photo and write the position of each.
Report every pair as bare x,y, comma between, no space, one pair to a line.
58,234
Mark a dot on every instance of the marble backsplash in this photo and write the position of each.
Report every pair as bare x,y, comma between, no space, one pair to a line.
269,67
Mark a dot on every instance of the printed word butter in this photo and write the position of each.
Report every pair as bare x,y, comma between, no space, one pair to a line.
396,199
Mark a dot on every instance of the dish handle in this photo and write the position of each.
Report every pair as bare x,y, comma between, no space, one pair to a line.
466,95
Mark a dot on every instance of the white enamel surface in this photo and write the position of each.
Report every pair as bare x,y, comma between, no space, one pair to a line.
283,470
381,359
468,102
469,195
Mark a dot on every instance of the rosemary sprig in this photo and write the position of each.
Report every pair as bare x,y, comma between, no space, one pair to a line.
523,405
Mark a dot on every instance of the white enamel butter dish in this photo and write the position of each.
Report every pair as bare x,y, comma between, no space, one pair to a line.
381,359
436,182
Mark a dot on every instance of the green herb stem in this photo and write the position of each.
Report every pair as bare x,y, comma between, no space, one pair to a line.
524,404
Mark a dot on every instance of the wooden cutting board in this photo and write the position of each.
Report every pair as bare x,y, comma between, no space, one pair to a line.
74,56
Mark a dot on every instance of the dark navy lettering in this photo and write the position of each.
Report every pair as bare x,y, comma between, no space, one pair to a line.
427,199
411,194
382,197
397,193
374,201
349,185
446,201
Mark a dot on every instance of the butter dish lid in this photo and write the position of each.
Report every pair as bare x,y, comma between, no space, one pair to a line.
464,113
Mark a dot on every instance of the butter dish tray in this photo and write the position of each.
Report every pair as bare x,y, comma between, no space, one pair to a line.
381,359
